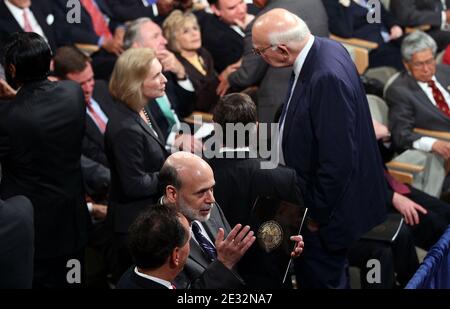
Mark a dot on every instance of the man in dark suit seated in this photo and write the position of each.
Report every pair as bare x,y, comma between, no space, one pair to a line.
240,180
188,184
16,243
434,13
97,26
71,64
420,98
126,10
223,31
28,16
326,135
40,149
159,244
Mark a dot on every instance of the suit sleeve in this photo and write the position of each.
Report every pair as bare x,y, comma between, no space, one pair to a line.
253,67
129,153
97,177
401,118
340,20
125,11
408,15
334,119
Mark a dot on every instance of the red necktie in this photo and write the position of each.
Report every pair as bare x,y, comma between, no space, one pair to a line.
439,98
26,22
98,20
96,117
396,185
174,287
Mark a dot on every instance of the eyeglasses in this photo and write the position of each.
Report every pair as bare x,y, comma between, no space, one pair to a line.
421,64
258,52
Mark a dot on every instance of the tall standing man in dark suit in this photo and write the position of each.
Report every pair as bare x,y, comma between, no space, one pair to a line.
159,243
255,72
40,149
326,135
16,243
188,184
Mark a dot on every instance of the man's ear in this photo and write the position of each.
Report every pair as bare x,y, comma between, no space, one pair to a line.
171,194
406,66
215,10
175,258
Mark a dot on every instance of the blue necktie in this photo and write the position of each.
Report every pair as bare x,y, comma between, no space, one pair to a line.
286,101
207,246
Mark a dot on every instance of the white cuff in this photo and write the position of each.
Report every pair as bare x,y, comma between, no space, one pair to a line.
186,85
424,143
90,207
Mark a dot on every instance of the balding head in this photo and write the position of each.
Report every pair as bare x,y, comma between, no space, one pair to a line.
279,36
188,182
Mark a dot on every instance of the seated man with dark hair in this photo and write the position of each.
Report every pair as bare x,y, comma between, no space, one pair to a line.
159,245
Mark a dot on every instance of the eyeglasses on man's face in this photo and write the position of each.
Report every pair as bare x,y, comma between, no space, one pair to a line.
421,64
260,51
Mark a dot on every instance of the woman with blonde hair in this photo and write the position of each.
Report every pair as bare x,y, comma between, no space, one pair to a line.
134,144
184,39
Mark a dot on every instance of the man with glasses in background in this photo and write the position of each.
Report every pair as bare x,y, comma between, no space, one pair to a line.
419,98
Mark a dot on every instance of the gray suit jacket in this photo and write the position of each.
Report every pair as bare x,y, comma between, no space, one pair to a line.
273,82
199,272
409,108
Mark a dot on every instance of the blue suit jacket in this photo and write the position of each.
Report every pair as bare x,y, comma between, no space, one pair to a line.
329,140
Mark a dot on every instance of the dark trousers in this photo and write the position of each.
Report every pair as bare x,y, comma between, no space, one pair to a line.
319,268
434,223
56,273
398,257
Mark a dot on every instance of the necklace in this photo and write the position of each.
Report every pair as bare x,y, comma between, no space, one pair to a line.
147,117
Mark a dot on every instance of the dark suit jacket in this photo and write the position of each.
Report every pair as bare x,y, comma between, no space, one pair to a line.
199,272
16,243
328,139
135,155
94,140
130,280
409,107
40,150
82,32
239,182
418,12
205,85
42,11
127,10
273,82
225,45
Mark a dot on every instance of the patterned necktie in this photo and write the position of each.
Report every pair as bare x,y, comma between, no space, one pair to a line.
164,106
98,20
207,246
397,186
439,98
96,117
26,22
286,101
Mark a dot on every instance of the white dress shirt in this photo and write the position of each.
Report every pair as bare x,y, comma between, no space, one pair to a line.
157,280
18,16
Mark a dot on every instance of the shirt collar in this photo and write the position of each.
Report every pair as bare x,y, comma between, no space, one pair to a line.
15,10
166,283
298,64
422,84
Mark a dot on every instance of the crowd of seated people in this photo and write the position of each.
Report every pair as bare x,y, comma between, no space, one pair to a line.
94,131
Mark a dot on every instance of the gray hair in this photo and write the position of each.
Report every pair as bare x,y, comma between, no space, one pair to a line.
294,35
133,31
416,42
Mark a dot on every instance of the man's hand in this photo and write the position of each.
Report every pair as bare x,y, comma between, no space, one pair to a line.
244,23
6,91
442,148
99,211
231,250
298,247
170,63
224,85
381,131
187,142
113,46
407,208
119,34
396,32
